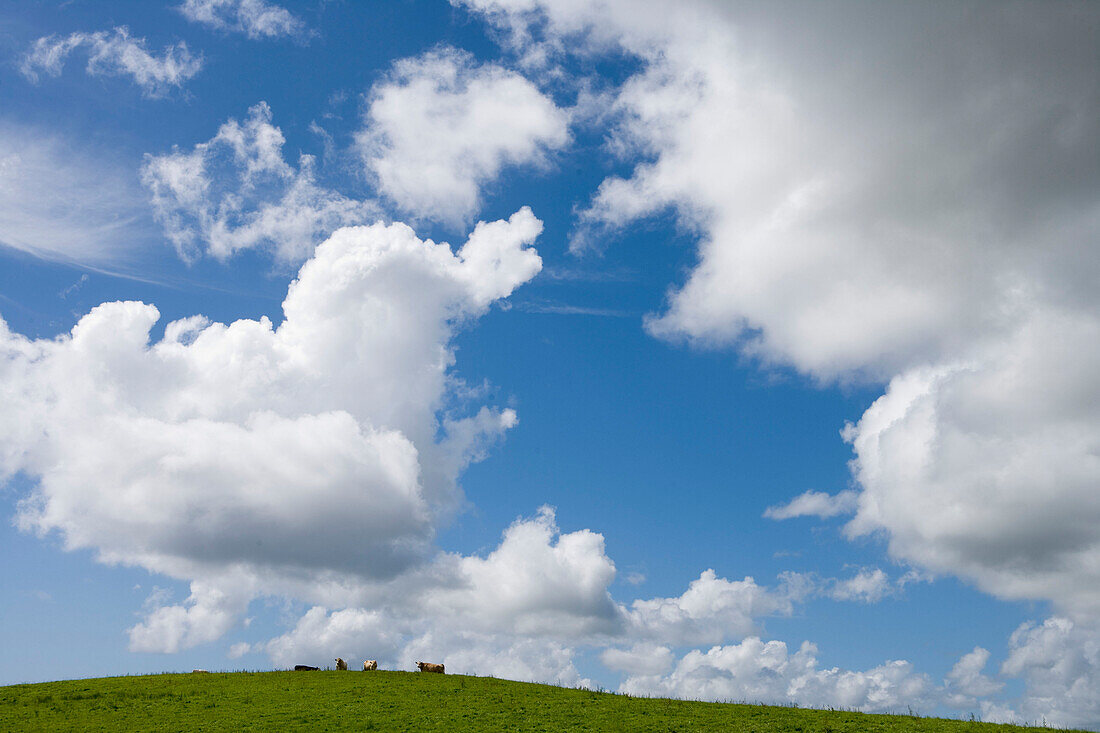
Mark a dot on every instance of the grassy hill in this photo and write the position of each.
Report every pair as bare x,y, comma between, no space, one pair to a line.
400,701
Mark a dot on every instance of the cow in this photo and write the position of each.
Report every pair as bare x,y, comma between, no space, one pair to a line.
194,671
341,664
370,665
305,668
429,667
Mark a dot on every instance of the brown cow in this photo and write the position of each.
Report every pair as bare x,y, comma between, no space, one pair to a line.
370,665
341,664
429,667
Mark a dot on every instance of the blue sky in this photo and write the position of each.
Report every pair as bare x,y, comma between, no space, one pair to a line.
762,363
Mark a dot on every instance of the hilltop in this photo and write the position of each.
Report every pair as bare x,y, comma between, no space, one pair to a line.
402,701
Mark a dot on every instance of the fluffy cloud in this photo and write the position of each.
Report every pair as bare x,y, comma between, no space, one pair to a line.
532,660
115,54
524,611
1060,661
988,469
866,586
58,202
256,18
641,660
354,633
967,681
843,226
252,458
442,127
207,614
518,612
538,582
236,192
710,611
758,671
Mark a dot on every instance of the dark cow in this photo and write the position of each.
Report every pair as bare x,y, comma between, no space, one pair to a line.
305,668
429,667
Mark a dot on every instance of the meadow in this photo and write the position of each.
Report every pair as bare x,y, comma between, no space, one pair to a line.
403,701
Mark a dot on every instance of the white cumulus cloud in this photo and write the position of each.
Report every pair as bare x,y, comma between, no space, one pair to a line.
710,611
767,672
442,127
989,468
640,660
1060,661
252,458
866,586
525,610
967,679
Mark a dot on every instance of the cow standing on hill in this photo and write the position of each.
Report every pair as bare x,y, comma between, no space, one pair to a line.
429,667
370,665
341,664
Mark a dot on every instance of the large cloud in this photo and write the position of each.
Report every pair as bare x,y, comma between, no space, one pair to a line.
254,458
858,208
900,193
877,219
990,468
443,126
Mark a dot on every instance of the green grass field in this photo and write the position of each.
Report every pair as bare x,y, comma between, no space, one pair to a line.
399,701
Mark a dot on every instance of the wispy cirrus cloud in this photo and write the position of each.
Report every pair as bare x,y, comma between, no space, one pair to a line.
60,202
815,504
255,18
115,53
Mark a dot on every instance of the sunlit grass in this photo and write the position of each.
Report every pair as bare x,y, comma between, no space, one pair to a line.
401,701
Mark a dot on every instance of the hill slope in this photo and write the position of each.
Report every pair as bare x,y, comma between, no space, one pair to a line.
322,701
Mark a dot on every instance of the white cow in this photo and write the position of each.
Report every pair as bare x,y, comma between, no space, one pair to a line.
370,665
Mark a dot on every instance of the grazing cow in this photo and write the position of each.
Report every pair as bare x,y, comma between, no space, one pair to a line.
429,667
341,664
197,670
370,665
305,668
